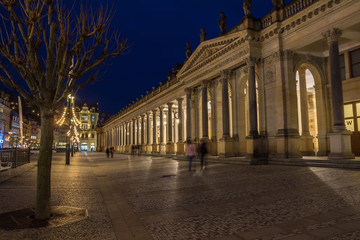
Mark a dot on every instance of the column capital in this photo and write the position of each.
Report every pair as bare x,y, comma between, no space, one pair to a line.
188,90
142,116
161,108
179,100
148,113
225,73
154,111
332,35
170,104
250,61
204,83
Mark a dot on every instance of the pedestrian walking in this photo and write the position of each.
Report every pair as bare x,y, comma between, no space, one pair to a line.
112,150
203,152
190,152
107,152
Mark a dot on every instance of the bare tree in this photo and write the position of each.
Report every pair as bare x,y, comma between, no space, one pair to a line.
44,52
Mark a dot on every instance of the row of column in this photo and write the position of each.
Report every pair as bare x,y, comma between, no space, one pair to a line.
126,136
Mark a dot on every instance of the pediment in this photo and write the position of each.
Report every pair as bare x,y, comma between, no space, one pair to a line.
206,50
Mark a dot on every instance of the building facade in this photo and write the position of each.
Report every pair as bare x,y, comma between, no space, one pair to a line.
283,86
88,115
4,120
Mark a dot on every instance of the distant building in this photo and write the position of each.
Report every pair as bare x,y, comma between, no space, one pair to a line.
4,120
88,116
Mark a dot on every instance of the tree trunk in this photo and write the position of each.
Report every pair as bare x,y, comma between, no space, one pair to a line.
43,209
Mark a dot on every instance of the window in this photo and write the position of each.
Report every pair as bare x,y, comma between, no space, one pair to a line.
84,118
355,63
342,66
92,118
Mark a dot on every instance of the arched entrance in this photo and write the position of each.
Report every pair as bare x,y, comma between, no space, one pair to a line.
312,116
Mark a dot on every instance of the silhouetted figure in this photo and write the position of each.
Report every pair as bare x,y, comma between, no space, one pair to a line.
190,152
222,23
188,50
107,152
203,151
202,35
112,150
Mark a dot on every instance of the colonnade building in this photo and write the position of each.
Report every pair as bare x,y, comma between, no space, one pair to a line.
284,86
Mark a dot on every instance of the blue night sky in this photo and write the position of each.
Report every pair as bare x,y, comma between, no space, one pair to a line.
158,31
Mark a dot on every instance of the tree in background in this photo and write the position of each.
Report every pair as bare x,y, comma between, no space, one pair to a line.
44,52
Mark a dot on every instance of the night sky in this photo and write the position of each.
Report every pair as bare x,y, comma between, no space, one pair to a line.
157,31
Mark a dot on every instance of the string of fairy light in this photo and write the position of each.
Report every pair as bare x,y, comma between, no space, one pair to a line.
74,120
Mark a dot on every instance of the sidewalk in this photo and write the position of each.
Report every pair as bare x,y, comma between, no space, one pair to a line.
145,197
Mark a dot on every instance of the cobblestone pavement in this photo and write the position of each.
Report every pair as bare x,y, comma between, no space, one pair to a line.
228,201
143,197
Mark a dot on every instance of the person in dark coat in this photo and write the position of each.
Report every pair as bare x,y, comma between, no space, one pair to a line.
203,152
107,152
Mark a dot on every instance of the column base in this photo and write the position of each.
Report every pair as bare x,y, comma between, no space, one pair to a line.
213,150
307,145
154,148
288,144
255,150
323,145
170,148
162,148
225,147
180,148
340,145
148,149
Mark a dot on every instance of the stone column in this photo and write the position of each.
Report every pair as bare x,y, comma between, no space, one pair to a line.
188,113
340,143
195,113
306,146
225,103
180,143
213,144
225,144
254,146
148,149
180,118
169,123
154,143
204,110
161,124
253,118
142,129
137,139
170,143
133,132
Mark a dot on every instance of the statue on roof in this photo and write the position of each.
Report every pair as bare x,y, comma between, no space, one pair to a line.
202,35
278,3
188,50
247,7
222,23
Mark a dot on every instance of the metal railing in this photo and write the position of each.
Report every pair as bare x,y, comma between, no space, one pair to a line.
15,156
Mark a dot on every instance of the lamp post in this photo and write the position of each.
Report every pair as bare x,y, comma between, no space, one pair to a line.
67,154
71,122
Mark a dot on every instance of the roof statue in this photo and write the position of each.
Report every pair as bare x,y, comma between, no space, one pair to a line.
202,35
222,23
188,50
247,7
278,3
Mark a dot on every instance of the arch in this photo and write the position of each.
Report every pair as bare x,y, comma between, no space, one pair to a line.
315,66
